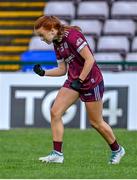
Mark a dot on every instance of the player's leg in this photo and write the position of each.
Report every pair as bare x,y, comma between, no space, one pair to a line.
94,110
65,98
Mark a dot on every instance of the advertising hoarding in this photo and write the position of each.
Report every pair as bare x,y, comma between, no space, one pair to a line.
26,99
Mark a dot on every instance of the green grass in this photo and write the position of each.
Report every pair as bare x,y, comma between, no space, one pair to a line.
86,155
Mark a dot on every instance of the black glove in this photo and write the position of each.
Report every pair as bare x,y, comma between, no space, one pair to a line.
76,84
38,70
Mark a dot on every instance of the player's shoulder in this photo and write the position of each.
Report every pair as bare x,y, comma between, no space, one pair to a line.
72,33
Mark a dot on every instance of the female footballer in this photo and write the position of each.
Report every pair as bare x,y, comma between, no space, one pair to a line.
84,81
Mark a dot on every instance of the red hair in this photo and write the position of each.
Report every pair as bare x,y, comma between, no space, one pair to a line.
49,22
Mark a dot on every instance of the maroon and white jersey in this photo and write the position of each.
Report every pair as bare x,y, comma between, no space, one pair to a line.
68,51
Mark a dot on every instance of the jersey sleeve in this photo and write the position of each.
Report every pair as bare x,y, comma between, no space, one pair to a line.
77,40
58,56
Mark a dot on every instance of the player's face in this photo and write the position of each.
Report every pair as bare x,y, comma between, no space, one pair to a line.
46,35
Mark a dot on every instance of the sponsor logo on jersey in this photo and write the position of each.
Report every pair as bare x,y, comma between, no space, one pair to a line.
65,45
79,41
88,94
70,58
92,80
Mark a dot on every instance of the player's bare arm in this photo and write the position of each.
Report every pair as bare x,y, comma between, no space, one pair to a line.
89,61
59,71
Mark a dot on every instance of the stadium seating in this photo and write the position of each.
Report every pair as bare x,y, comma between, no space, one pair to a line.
95,20
36,44
134,45
91,42
131,57
124,9
16,28
38,51
110,26
109,57
89,27
94,10
119,27
64,10
110,44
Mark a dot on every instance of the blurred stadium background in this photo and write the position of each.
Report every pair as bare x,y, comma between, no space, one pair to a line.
110,27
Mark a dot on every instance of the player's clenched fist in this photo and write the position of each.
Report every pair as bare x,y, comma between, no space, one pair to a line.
38,70
76,84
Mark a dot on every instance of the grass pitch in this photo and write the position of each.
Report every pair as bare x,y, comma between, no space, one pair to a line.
86,155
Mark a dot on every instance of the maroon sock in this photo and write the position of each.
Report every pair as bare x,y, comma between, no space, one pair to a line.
57,146
114,146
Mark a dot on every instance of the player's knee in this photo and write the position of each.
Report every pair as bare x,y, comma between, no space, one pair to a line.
55,113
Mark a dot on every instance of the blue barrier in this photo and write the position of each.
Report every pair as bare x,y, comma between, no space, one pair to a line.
45,56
